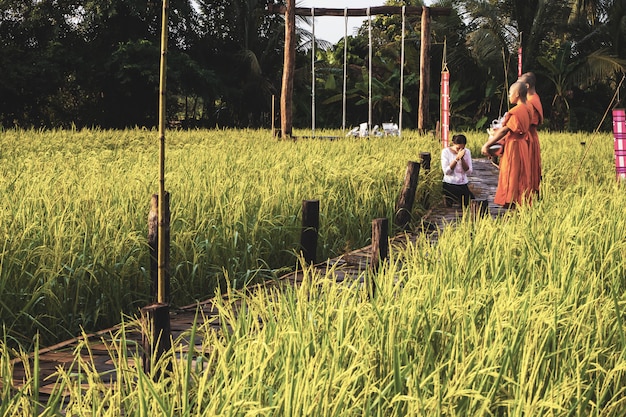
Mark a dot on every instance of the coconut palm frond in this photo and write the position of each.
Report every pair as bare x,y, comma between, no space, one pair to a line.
598,66
485,46
584,10
250,59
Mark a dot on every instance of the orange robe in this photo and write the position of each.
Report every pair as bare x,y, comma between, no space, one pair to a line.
535,151
514,177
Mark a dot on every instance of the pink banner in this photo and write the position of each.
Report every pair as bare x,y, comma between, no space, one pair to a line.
519,62
445,108
619,134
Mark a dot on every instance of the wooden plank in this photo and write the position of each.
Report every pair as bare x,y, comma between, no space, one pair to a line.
359,12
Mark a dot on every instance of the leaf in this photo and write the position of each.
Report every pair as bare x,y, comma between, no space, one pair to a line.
548,65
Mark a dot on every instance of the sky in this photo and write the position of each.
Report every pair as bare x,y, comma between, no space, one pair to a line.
332,28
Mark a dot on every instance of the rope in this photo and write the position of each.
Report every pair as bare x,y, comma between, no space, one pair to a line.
444,58
505,93
444,108
519,56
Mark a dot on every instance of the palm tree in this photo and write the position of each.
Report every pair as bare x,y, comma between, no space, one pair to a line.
571,44
568,70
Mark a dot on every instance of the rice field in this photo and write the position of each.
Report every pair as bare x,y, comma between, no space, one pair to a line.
520,315
75,215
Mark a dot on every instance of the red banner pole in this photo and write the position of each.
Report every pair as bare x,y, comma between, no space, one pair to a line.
445,108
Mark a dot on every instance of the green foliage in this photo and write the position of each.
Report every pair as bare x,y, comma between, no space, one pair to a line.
568,73
96,64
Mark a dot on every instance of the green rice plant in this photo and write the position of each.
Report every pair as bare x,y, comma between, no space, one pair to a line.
429,343
516,315
76,204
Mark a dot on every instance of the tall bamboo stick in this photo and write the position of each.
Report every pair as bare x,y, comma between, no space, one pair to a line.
424,92
162,89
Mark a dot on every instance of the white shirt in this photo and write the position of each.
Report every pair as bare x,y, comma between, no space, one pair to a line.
457,176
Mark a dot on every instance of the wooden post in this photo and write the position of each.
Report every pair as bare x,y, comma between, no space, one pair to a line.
286,97
157,340
425,158
379,251
273,117
422,117
153,244
380,241
310,228
290,11
359,12
425,162
404,206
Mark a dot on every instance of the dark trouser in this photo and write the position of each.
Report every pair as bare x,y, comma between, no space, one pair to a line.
460,194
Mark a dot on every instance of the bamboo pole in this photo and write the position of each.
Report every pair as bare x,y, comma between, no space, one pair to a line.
424,92
162,89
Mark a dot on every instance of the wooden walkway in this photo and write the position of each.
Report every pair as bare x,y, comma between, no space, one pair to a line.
96,347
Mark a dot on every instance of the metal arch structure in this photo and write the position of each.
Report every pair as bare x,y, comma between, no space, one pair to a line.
290,11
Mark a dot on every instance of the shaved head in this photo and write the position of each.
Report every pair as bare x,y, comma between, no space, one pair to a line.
519,88
528,78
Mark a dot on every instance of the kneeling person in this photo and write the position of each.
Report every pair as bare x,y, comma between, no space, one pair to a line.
456,163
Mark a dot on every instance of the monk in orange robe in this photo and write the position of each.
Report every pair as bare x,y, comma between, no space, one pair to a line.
534,102
514,178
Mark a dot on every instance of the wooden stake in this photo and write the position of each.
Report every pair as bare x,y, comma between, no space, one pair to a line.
379,251
157,339
425,160
310,228
404,206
